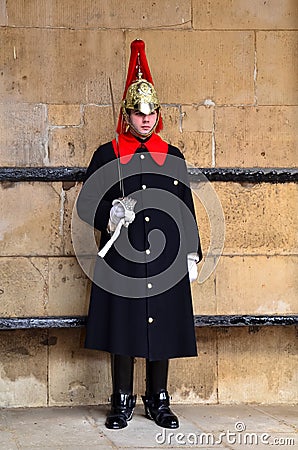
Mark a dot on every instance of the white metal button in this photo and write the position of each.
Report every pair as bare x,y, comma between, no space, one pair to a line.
175,182
142,156
148,251
150,319
149,285
147,219
144,186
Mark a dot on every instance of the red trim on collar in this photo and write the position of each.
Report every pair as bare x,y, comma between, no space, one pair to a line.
128,145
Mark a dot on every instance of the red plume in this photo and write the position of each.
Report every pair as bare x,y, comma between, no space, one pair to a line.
138,62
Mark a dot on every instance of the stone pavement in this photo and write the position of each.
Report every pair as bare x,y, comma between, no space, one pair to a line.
236,427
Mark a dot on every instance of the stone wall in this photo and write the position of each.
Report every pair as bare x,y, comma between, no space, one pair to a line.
226,73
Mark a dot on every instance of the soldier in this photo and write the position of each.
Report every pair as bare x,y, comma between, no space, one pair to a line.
141,302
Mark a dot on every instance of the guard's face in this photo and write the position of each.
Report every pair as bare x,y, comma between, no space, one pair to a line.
143,123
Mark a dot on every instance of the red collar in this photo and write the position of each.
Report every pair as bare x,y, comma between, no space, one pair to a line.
128,145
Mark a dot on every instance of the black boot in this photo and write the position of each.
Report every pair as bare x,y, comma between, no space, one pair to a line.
122,400
122,406
156,400
157,409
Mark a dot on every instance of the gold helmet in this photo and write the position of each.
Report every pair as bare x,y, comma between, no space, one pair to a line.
141,96
139,93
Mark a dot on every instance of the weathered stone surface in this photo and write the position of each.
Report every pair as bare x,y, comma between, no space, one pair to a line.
60,66
196,146
210,216
23,135
23,368
186,69
277,70
259,218
241,14
197,118
70,196
103,14
257,285
63,115
81,376
256,137
204,294
67,146
74,146
23,286
258,365
77,376
31,223
99,126
139,377
194,380
3,14
68,288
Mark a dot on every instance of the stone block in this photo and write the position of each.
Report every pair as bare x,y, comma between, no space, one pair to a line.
23,286
277,70
204,294
67,146
257,285
23,135
77,376
241,14
196,146
172,132
257,365
74,146
99,127
210,220
68,288
104,14
197,118
186,69
31,222
3,13
79,238
70,195
256,137
210,216
259,218
23,368
194,380
60,66
139,377
64,115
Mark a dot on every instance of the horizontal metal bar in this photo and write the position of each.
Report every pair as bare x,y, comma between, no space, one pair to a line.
233,174
18,323
244,320
16,174
246,175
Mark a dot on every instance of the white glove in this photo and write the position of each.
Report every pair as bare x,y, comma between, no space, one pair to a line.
121,209
192,259
117,213
129,217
